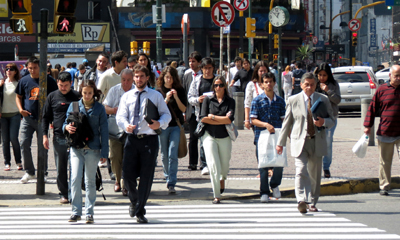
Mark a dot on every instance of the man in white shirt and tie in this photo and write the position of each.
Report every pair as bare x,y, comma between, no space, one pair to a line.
141,147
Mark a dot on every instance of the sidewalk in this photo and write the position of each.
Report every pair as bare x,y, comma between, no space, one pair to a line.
349,175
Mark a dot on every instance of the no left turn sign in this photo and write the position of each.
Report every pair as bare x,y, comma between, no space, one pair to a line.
222,14
241,5
354,25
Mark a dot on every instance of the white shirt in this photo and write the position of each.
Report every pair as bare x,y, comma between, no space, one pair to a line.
98,74
232,73
126,110
306,100
114,95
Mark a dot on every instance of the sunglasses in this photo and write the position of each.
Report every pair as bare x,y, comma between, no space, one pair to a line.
10,69
221,85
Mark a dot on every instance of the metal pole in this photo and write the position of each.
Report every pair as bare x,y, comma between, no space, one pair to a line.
280,60
241,33
221,45
158,31
270,35
185,45
40,186
249,39
228,45
330,30
351,47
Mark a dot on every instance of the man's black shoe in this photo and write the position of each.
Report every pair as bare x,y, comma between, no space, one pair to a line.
141,219
192,167
132,209
384,192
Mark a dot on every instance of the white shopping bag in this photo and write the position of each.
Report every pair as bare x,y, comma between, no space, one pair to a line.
267,155
360,148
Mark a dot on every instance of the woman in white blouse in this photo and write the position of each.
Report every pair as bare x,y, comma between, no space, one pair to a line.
253,89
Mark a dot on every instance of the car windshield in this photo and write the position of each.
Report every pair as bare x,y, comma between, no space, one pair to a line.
352,77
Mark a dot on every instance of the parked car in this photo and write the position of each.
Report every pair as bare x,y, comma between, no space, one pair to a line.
355,82
383,74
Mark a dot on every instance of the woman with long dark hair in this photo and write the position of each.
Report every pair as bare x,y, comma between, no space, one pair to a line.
327,85
144,60
216,112
253,89
170,87
89,156
10,117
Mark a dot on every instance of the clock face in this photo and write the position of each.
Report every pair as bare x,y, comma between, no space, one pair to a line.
278,16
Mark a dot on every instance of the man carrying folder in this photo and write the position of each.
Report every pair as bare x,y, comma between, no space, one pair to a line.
307,142
141,147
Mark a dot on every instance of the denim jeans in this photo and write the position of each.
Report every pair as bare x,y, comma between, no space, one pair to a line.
327,160
276,178
61,157
79,158
9,133
28,127
169,144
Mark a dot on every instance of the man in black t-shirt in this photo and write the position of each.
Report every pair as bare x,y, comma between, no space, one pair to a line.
28,104
55,111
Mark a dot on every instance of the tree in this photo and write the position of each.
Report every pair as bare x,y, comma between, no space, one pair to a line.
303,52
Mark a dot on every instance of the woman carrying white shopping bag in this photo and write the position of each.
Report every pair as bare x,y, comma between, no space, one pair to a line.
267,113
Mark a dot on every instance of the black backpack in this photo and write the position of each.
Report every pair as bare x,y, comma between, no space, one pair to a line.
99,181
83,133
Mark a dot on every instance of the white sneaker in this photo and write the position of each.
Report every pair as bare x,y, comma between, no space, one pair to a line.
264,198
27,177
276,193
171,189
102,165
205,171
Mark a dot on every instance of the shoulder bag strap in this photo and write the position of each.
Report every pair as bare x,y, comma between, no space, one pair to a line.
75,107
255,85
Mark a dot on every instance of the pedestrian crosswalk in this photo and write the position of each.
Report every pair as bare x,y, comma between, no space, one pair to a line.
221,221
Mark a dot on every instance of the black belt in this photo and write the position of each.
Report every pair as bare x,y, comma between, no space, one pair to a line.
140,136
308,137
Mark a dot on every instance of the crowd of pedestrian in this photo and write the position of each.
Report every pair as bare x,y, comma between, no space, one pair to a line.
119,92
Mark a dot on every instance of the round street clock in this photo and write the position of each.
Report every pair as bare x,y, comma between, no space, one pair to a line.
279,16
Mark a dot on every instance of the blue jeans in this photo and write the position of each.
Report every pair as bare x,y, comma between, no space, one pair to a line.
327,160
61,157
169,144
276,178
28,127
79,158
9,133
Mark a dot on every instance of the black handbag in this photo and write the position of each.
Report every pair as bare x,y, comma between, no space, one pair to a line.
200,129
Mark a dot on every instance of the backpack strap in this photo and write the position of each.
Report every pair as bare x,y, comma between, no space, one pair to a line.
75,107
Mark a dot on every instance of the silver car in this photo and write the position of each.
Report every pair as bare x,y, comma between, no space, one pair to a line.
383,75
355,82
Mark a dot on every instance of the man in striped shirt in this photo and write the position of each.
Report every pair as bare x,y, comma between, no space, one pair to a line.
386,104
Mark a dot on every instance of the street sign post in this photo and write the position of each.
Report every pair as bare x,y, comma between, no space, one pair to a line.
354,25
222,14
241,5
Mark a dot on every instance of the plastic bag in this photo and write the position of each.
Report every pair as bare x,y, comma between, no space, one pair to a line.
267,155
360,148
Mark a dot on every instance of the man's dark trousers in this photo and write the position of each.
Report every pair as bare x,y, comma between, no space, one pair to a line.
139,160
193,145
61,156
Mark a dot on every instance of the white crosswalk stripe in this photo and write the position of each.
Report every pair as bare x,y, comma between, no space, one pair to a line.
223,221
